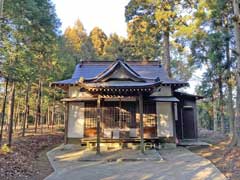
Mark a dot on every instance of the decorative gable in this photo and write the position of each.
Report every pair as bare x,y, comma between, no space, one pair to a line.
119,71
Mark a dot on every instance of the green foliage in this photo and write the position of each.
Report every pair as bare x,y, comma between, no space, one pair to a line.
32,50
78,44
98,39
113,47
205,115
210,49
149,20
200,34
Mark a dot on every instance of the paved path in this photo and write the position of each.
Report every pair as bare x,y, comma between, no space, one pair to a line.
178,164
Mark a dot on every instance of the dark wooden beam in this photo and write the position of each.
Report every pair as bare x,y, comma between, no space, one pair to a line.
98,123
141,121
66,122
120,112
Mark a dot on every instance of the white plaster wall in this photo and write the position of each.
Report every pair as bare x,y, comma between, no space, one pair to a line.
162,91
164,119
74,91
76,120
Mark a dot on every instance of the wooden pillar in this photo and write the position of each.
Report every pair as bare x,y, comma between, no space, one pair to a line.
66,122
120,112
98,123
174,123
141,121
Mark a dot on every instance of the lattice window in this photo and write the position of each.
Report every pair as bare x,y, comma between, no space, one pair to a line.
90,115
116,117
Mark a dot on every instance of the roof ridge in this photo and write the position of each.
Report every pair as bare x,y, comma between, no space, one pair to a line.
130,62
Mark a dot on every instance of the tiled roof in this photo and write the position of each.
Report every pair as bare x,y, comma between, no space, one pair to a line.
148,70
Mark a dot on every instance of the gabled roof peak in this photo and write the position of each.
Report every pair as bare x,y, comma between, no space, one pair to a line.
118,70
120,59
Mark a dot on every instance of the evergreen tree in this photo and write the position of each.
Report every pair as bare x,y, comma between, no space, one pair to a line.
155,22
113,47
75,38
98,39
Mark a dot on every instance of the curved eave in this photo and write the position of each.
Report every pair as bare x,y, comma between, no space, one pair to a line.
55,84
66,82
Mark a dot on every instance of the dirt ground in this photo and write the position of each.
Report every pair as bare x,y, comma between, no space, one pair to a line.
42,165
28,160
225,159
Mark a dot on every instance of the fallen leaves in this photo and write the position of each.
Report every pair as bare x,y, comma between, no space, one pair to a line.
227,161
18,164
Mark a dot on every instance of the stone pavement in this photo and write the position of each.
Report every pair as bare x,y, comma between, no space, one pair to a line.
75,163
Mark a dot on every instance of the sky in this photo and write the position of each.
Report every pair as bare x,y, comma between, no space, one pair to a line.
106,14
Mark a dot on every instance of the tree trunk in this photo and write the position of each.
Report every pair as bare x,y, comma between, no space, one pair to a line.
58,121
1,8
221,104
166,53
230,108
38,110
16,116
53,117
48,117
11,113
3,111
53,112
235,139
36,114
26,113
27,119
6,86
214,112
229,89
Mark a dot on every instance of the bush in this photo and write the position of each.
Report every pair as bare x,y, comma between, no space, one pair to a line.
5,149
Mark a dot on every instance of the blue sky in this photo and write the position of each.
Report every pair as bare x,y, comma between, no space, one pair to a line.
106,14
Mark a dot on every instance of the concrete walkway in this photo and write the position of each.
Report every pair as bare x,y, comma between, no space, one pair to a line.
178,164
